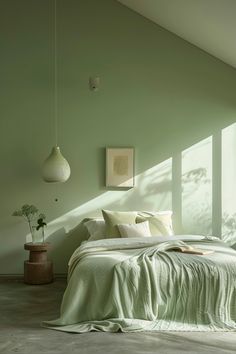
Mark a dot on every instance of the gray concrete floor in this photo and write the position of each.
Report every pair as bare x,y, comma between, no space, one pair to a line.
23,307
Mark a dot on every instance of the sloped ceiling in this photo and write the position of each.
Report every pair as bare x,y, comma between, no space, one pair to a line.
208,24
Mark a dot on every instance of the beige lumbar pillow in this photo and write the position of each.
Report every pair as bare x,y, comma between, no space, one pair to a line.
135,230
160,223
113,218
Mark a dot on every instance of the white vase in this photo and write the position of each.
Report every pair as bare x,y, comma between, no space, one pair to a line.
34,234
38,236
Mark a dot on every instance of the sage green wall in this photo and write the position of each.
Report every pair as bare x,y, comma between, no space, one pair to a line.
158,93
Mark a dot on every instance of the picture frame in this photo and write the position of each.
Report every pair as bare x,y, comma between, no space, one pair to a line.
120,167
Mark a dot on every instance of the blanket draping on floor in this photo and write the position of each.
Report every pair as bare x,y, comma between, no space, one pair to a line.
138,285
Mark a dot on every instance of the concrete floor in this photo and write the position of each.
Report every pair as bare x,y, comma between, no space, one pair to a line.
23,307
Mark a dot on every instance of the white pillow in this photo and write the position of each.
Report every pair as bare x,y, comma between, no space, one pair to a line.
96,229
135,230
160,222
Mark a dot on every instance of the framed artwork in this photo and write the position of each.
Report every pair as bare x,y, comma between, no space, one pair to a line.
120,167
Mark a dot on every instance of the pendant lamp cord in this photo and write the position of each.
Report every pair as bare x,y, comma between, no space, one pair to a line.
55,74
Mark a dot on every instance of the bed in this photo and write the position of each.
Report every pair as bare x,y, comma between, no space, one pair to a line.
139,284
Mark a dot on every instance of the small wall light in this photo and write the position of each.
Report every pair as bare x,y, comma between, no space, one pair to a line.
94,83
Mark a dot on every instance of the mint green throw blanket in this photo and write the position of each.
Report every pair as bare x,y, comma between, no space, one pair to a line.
138,285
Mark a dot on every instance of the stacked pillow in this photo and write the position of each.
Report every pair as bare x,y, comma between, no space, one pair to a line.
160,222
135,230
96,229
115,218
116,224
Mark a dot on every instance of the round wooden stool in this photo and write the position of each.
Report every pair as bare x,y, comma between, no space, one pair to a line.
38,269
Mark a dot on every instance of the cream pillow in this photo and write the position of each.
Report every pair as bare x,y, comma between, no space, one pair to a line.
96,229
160,223
113,218
135,230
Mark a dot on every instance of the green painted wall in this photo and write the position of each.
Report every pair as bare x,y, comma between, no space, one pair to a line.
158,93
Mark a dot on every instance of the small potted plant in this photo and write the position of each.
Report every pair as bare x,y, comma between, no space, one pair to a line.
30,213
41,224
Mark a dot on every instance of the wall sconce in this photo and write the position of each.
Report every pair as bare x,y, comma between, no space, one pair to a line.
94,83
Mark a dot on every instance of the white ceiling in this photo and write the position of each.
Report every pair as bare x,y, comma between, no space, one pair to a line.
208,24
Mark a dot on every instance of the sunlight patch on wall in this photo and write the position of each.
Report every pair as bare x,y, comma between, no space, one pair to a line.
153,189
228,184
197,188
152,192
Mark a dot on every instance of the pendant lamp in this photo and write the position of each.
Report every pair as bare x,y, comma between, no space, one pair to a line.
55,167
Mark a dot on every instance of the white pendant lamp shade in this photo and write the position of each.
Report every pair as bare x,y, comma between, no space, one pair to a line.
55,167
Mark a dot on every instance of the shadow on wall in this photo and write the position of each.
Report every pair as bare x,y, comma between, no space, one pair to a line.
229,228
228,184
199,210
197,188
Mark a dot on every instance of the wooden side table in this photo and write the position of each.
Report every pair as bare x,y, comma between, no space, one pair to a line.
38,269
